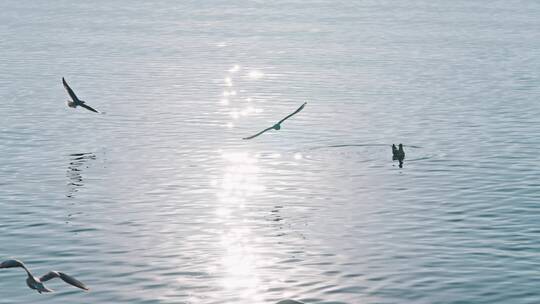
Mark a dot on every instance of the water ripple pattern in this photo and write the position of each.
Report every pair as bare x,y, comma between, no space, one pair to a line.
161,201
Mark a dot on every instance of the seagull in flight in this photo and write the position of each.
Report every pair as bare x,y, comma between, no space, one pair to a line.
75,101
37,283
277,126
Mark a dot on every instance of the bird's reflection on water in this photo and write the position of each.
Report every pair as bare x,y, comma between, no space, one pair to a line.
77,162
276,219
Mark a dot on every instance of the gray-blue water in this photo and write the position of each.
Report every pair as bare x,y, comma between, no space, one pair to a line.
160,200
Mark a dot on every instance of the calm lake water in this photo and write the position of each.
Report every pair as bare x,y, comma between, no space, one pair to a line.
160,200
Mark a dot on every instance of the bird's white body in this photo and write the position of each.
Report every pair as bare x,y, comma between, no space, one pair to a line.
35,283
74,104
71,104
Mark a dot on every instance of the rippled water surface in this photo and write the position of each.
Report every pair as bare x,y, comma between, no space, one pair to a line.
160,200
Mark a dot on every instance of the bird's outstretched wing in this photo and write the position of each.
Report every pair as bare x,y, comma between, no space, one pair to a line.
11,263
253,136
14,263
70,91
297,110
66,278
88,107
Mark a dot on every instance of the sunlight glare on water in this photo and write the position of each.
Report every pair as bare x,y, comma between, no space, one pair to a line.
161,200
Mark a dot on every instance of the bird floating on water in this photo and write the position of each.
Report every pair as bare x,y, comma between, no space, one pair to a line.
398,154
37,283
75,101
277,126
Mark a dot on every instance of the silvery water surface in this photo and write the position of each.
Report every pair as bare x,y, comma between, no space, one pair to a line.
160,201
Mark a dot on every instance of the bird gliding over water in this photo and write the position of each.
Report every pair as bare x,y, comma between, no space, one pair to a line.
75,101
37,283
277,126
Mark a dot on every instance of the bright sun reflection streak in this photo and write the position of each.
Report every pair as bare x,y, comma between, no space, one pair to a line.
234,69
247,111
229,93
239,264
234,114
255,74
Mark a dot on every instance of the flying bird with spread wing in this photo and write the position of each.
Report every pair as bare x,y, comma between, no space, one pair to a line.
277,126
37,283
75,101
